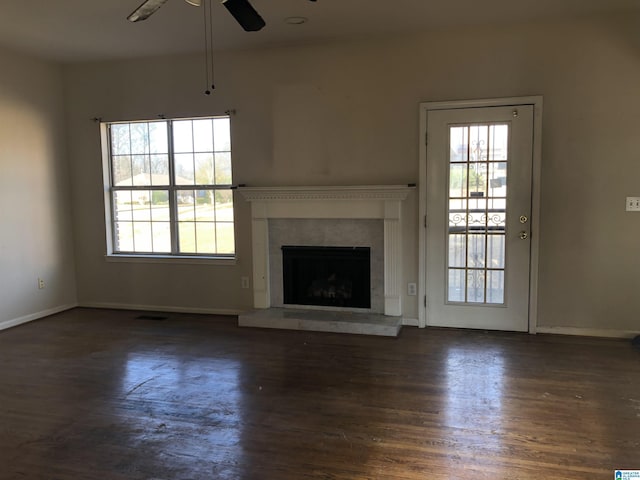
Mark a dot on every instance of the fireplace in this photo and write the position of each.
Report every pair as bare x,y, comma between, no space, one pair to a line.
345,208
327,276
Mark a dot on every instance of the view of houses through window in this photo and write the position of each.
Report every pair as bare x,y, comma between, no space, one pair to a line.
170,187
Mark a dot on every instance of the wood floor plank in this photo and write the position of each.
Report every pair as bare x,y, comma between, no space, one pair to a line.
102,394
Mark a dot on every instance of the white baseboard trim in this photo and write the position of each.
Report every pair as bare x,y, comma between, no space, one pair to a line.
161,308
35,316
410,322
588,332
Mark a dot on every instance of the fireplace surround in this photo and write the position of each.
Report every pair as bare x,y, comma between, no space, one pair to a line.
329,203
321,232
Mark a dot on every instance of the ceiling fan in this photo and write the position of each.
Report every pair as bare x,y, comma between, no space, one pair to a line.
241,10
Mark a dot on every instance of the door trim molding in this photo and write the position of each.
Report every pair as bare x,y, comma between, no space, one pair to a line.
425,108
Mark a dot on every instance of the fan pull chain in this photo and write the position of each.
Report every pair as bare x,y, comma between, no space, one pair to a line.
206,50
208,47
213,87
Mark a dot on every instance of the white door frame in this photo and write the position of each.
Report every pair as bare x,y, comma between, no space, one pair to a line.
425,108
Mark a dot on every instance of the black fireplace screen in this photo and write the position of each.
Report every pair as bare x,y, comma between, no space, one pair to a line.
327,276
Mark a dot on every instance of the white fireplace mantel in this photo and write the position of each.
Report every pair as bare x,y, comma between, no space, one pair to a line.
356,202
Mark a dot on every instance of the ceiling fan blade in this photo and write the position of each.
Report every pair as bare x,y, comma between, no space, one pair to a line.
145,10
195,3
244,14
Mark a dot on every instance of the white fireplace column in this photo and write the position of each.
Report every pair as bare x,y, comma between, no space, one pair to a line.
350,202
392,258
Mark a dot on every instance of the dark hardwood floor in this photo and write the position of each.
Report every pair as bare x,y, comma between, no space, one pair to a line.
99,394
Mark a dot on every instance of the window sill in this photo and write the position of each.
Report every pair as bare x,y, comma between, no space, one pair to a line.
170,259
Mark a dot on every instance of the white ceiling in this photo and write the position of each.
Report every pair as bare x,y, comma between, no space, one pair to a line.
79,30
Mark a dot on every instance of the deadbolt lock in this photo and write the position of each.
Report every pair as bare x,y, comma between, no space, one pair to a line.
524,219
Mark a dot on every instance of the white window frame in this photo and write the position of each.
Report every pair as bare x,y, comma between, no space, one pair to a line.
112,255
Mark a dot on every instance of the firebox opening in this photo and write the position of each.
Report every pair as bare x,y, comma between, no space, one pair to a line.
327,276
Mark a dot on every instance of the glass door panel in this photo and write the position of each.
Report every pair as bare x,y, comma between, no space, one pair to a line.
477,210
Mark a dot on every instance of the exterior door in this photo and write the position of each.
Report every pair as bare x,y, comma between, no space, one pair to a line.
478,217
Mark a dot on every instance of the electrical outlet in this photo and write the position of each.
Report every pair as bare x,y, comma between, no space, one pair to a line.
244,282
633,204
411,289
40,283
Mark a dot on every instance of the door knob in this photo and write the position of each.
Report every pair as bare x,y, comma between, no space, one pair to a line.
524,235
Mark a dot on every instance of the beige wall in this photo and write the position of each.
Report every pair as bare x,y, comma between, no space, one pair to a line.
35,220
347,113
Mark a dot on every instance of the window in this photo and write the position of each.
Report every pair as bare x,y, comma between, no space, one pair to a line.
170,187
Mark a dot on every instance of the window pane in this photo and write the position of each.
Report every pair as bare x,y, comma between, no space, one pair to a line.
206,237
122,171
161,237
458,180
476,254
205,208
204,169
221,135
477,219
182,136
499,141
184,169
120,140
498,204
456,286
142,238
478,179
139,138
224,205
225,238
187,237
159,169
158,141
495,251
186,205
123,233
478,137
160,206
457,206
457,222
496,221
141,170
498,179
495,286
123,209
475,286
223,169
458,144
203,135
477,206
142,206
457,250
